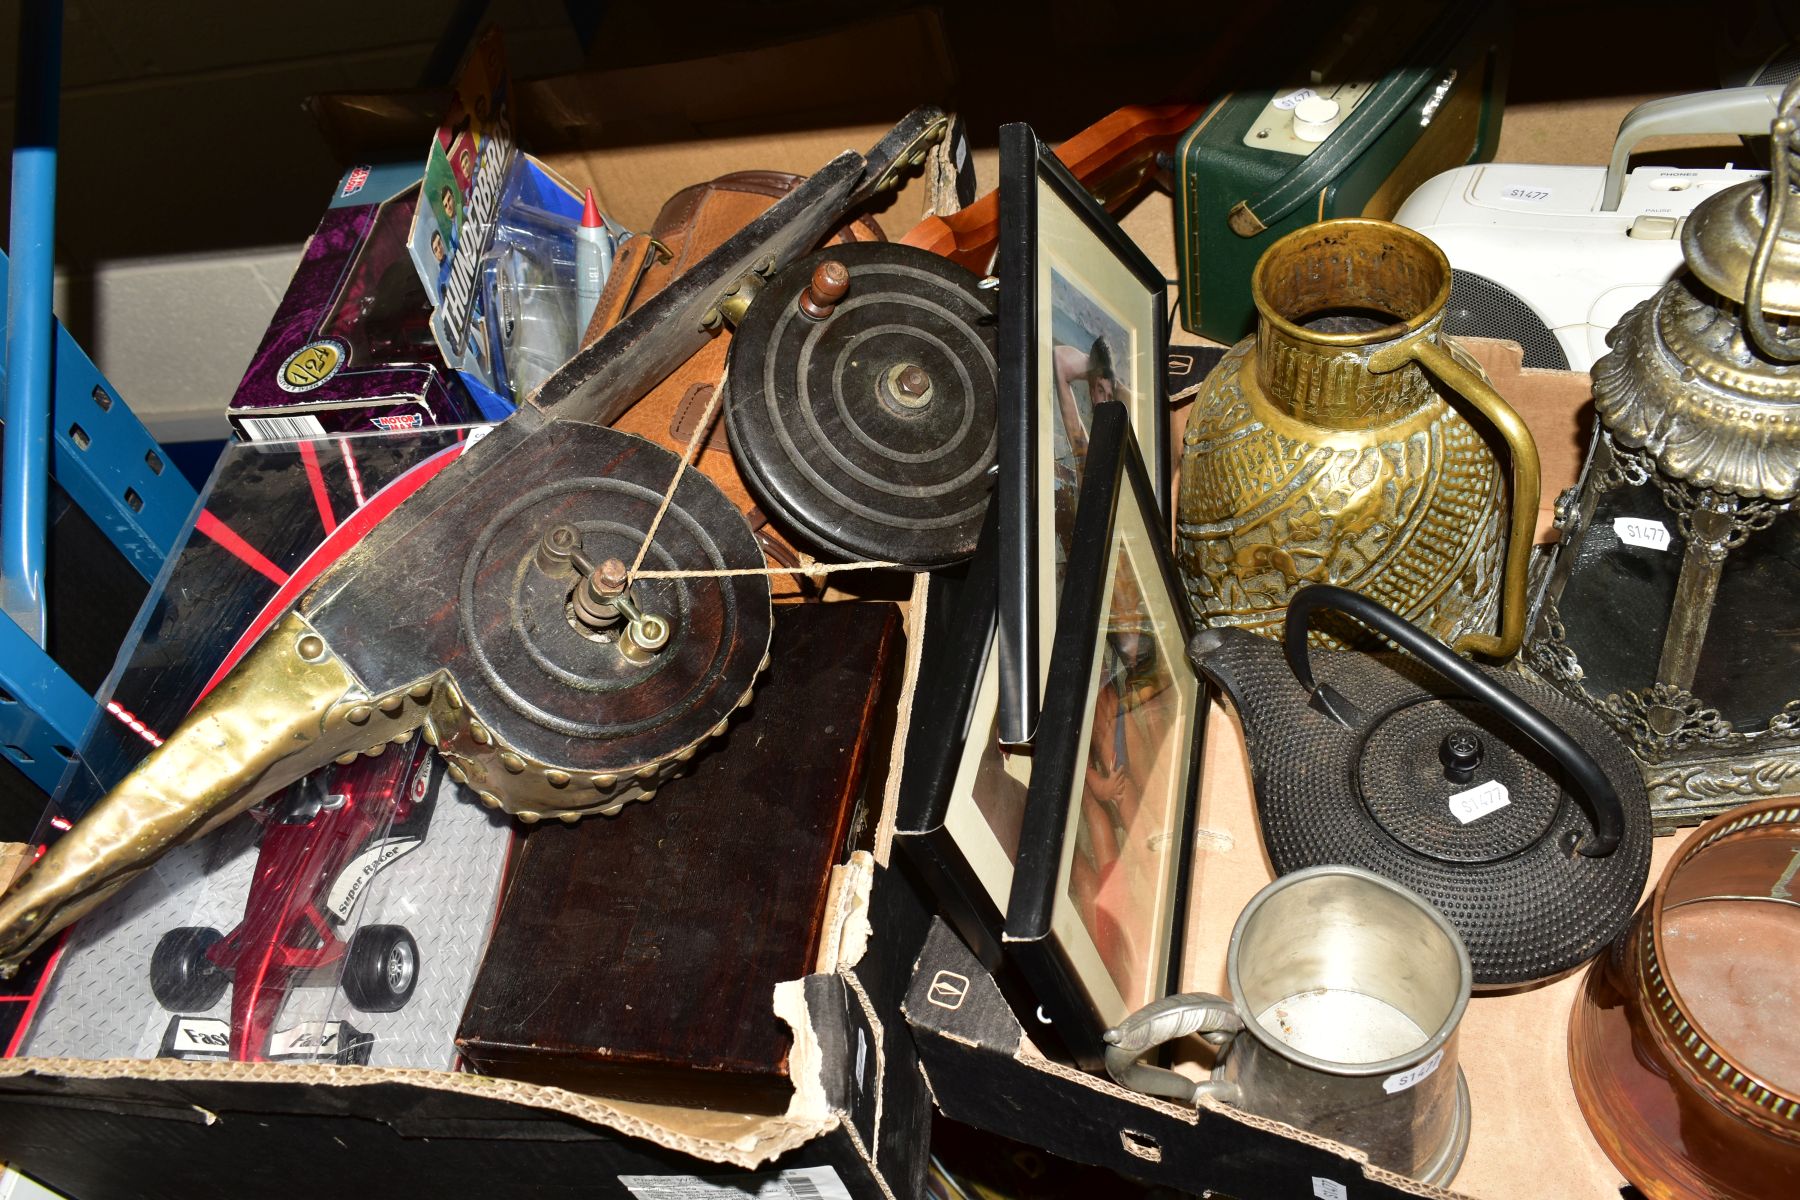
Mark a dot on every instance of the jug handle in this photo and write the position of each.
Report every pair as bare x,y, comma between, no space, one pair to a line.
1598,798
1212,1017
1431,354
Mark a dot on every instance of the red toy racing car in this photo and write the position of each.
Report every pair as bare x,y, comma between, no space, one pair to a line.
322,844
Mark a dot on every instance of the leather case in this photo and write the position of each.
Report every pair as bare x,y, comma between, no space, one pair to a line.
693,222
1434,80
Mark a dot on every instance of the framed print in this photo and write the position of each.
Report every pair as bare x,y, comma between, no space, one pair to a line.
962,795
1083,322
1095,915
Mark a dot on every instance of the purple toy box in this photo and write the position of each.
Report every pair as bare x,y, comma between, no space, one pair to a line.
350,349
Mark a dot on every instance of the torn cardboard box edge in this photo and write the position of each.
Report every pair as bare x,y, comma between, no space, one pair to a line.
761,1139
991,1027
756,1139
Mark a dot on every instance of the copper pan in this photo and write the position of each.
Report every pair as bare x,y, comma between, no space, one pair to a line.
1684,1047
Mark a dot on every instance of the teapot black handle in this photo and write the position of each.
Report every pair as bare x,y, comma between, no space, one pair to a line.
1595,790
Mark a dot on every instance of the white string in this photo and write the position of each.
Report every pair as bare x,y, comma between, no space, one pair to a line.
812,570
687,457
809,568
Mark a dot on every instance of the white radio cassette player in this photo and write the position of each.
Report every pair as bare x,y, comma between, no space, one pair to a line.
1553,256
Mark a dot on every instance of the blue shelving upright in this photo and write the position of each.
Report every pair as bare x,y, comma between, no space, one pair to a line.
63,421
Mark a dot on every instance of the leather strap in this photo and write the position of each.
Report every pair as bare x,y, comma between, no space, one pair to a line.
633,259
692,222
697,219
688,412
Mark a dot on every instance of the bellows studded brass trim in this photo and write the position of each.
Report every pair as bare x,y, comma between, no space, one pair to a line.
287,709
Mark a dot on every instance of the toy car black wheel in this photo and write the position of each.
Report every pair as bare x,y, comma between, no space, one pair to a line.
182,978
381,968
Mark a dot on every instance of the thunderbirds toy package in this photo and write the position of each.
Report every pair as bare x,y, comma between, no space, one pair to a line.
344,918
341,920
494,242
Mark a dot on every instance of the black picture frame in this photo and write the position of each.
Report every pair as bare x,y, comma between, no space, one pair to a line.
1095,920
953,719
1066,269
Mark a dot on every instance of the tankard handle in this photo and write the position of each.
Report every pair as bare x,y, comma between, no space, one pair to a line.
1593,789
1430,353
1212,1017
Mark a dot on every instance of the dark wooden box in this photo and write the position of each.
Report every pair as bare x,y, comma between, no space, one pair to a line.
637,956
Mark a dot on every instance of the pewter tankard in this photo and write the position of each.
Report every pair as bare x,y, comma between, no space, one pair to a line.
1347,990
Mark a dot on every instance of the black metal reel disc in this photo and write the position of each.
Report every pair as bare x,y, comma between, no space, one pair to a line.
867,423
570,695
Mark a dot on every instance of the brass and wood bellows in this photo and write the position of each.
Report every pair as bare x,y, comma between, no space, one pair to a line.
1326,449
550,691
550,688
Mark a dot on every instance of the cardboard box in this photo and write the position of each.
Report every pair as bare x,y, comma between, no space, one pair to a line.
157,1126
116,1128
639,135
166,1128
984,1071
857,1125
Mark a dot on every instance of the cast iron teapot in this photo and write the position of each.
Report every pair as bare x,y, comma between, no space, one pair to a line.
1513,810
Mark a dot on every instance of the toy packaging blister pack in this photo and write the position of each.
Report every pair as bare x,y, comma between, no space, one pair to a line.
341,920
528,281
494,243
350,348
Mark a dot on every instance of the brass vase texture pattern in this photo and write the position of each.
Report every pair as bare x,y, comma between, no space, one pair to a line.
1322,450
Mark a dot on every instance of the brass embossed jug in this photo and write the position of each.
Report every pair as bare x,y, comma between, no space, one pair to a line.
1332,447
